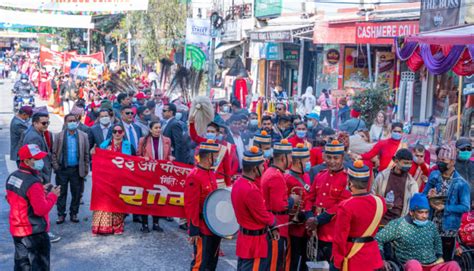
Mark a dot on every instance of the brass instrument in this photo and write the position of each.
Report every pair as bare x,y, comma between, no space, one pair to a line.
297,190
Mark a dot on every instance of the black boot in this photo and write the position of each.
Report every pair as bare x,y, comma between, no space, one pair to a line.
145,228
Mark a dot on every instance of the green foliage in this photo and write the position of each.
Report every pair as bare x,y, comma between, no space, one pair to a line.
371,101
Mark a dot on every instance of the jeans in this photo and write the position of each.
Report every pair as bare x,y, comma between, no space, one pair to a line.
326,114
32,252
64,178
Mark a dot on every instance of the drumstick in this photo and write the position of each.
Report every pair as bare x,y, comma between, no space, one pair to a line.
283,225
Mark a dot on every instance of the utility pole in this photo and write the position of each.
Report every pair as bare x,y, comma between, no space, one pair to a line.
88,41
129,54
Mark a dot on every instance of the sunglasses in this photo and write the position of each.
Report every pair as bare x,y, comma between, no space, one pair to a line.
117,132
165,110
279,109
128,113
44,123
466,149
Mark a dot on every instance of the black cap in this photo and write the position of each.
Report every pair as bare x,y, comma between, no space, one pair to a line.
328,131
463,142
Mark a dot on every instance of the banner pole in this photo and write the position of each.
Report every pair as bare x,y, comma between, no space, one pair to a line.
458,132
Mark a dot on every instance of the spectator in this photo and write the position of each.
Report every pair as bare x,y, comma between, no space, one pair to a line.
314,127
108,222
353,124
151,105
343,113
415,239
122,100
300,136
159,104
78,112
102,130
70,159
250,129
396,186
280,110
326,107
464,165
235,137
18,126
30,205
450,198
379,129
283,129
419,170
133,133
142,119
154,146
173,130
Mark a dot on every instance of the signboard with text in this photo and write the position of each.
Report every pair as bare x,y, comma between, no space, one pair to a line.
439,14
384,32
267,8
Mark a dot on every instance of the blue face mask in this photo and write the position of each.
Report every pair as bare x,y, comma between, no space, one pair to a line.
254,122
420,223
307,166
134,100
268,153
396,135
464,155
38,165
219,137
301,134
310,123
72,125
178,115
211,136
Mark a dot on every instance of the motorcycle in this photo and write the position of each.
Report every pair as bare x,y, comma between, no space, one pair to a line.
22,100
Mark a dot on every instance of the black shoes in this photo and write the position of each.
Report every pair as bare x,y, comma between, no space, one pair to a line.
145,229
61,219
156,227
74,219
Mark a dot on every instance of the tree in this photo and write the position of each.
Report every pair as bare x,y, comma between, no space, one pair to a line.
370,101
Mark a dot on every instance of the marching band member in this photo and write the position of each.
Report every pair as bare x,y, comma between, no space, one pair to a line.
298,182
354,247
263,141
199,184
252,215
327,192
276,198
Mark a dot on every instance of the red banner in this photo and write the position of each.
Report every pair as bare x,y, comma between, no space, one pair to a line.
130,184
49,57
94,59
384,32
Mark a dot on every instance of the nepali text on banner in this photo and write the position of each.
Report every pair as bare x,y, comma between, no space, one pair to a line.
130,184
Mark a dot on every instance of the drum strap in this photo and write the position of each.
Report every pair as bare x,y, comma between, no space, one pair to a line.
305,185
368,232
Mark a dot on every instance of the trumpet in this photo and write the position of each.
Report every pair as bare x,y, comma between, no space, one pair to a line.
297,190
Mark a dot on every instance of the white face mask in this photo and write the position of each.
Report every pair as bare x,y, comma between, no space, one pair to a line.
105,121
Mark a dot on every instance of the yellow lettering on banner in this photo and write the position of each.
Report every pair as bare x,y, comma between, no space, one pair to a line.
177,198
163,192
132,195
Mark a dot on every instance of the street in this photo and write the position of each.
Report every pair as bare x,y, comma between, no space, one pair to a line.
78,249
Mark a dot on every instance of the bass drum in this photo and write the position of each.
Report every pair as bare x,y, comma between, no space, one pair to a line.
219,214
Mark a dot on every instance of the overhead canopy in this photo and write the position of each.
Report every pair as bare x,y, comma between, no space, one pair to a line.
42,19
454,36
76,6
226,46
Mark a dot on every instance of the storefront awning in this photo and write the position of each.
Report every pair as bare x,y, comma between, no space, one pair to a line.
279,33
454,36
226,46
325,33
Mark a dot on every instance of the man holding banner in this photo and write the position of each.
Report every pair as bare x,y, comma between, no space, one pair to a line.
199,184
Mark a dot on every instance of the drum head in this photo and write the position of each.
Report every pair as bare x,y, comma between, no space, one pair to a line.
219,213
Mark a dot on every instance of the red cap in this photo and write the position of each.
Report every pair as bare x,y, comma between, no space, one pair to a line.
355,113
31,151
141,95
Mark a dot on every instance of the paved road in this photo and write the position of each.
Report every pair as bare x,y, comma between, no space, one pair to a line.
78,249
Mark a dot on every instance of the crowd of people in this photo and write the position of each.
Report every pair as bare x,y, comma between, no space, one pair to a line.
365,195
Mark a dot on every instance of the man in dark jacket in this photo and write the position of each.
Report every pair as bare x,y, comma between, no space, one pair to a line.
172,129
102,130
464,165
29,210
18,125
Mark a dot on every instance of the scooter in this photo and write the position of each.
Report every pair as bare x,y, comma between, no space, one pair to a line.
22,100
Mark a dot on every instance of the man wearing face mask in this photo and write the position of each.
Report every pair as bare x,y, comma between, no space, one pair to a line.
252,215
277,201
386,149
312,122
102,129
415,239
450,198
227,151
251,129
142,119
396,186
297,181
18,125
354,247
300,136
70,161
200,182
30,204
326,193
464,165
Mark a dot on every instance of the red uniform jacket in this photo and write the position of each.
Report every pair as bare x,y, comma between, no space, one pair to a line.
351,222
316,156
416,171
327,192
291,182
225,165
294,140
258,180
199,184
385,149
275,194
251,213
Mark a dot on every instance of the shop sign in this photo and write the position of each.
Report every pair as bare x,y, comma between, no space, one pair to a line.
232,31
333,56
267,8
273,51
276,36
383,33
439,14
291,54
243,11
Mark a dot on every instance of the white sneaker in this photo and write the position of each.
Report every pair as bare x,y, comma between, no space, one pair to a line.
53,238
